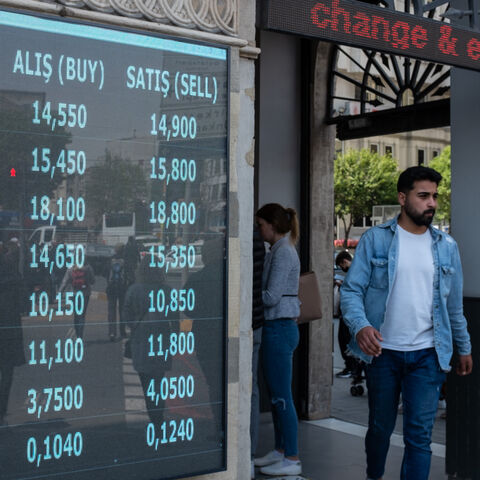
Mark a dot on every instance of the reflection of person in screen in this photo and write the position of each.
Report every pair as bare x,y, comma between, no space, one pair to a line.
36,278
79,279
132,259
116,287
149,334
11,337
207,318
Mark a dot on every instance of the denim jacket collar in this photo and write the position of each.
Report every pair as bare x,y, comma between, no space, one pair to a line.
365,290
392,224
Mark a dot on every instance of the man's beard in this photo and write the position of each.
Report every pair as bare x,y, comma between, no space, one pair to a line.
420,219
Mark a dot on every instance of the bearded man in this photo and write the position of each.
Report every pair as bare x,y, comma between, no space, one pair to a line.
402,300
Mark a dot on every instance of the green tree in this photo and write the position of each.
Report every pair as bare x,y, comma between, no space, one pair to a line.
117,185
362,179
442,164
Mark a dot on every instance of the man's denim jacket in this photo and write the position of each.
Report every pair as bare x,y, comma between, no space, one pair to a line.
367,286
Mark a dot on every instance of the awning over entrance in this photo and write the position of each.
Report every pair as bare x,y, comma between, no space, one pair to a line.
405,119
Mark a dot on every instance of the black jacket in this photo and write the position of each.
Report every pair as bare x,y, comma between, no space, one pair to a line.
258,258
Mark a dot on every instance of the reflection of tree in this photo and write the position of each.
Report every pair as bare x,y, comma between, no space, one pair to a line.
117,185
18,138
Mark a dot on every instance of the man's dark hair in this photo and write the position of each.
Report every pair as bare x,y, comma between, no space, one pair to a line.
415,174
343,255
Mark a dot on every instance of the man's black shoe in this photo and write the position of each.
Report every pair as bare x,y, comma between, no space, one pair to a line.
345,373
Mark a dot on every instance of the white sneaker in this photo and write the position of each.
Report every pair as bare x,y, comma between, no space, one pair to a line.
271,457
283,467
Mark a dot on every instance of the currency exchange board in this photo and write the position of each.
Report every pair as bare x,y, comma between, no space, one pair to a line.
113,228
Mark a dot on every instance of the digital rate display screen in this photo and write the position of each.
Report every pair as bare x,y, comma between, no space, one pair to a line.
362,25
113,228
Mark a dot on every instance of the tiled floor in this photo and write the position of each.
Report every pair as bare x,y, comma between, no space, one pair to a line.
328,454
333,449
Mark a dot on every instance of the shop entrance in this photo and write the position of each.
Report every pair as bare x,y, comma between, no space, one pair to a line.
383,94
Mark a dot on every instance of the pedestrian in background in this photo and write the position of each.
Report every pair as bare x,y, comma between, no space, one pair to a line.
403,302
79,279
278,226
344,260
11,334
146,325
116,289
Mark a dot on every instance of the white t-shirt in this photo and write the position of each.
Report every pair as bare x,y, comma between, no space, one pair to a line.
408,317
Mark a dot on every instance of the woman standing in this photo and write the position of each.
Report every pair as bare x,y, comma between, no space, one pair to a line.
278,226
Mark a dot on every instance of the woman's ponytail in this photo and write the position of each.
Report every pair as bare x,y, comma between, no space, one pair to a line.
294,227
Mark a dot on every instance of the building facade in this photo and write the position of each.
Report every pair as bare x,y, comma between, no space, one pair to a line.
271,138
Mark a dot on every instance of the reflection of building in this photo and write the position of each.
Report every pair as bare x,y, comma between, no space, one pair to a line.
213,193
136,149
14,100
208,191
125,168
21,147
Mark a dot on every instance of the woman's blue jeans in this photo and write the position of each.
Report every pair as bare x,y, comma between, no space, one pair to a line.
279,341
417,375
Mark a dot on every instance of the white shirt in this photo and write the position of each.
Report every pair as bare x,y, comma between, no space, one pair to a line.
408,322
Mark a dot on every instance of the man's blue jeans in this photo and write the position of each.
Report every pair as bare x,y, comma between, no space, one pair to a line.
279,341
417,375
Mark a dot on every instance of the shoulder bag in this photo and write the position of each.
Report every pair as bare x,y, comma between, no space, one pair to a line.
309,296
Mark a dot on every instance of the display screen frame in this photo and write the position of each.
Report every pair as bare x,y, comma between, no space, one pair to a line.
106,27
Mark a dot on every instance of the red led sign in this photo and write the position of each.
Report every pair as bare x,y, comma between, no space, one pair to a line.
368,26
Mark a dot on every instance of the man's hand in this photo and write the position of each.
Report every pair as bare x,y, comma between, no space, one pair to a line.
368,339
464,365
